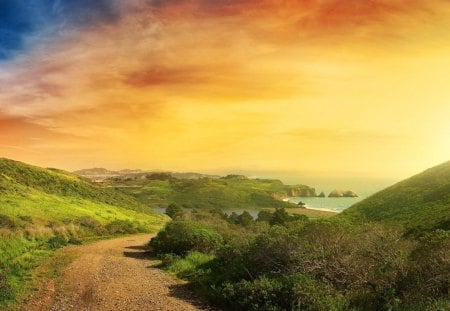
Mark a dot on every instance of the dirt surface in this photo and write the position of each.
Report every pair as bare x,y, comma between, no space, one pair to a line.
115,275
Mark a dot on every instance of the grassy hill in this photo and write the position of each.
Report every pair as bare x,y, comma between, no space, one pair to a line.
43,209
419,202
233,191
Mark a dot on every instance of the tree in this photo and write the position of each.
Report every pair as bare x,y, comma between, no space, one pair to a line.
245,219
264,216
280,217
175,211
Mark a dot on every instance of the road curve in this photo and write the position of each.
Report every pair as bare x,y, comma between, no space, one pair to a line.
115,275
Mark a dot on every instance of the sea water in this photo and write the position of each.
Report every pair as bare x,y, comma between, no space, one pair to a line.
329,204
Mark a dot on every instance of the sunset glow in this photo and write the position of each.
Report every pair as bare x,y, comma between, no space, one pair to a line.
338,86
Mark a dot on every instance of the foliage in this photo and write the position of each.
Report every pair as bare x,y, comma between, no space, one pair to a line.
6,222
57,241
175,211
209,193
180,237
191,266
310,265
290,292
45,209
17,177
119,226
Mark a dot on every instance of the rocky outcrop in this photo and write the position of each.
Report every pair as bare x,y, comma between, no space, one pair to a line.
338,193
301,192
321,195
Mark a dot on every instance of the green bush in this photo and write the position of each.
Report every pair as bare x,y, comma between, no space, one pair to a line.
6,291
121,227
57,241
6,222
175,211
295,292
307,265
193,266
180,237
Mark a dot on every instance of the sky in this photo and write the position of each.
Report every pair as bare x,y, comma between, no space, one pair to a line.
339,88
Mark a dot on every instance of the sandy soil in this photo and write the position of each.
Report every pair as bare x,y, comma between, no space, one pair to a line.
115,275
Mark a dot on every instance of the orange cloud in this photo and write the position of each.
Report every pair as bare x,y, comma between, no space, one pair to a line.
210,80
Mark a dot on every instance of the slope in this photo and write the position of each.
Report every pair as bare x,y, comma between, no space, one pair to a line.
44,209
421,202
233,191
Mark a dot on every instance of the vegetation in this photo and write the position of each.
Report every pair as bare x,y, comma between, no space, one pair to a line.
388,252
42,210
420,203
301,264
175,211
233,191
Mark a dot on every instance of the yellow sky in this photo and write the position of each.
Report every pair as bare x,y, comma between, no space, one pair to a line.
349,88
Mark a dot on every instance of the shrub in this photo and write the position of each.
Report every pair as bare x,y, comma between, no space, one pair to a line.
180,237
6,291
6,222
192,267
121,226
429,271
26,218
91,223
295,292
57,241
175,211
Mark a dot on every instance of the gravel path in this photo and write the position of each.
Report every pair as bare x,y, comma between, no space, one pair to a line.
118,275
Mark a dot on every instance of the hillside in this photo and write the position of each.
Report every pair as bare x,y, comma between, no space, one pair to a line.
419,202
53,195
100,174
233,191
44,209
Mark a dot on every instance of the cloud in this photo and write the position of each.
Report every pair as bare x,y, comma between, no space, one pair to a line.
26,23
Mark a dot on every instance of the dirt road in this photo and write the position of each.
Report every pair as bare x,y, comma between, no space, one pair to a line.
117,275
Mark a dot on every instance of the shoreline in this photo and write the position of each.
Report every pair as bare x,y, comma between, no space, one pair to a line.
306,207
322,209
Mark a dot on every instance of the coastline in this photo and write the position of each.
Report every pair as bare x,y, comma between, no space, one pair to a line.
322,209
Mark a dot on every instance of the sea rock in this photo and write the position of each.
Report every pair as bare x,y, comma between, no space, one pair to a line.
338,193
321,195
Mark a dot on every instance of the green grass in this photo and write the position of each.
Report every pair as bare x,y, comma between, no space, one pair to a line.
44,209
19,178
206,193
421,202
189,266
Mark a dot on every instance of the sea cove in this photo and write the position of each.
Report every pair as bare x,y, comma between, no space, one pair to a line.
327,204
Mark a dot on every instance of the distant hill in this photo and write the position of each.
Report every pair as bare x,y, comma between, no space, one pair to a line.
419,202
100,174
95,171
232,191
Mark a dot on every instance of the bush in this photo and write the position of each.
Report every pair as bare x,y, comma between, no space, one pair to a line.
192,267
6,291
175,211
429,271
57,241
180,237
296,292
121,227
89,222
6,222
308,265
